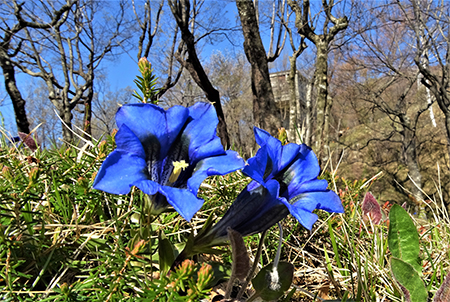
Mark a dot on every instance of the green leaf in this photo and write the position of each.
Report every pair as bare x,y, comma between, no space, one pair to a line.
403,238
409,281
267,287
166,254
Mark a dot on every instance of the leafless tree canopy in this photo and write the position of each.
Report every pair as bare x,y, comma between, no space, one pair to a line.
366,83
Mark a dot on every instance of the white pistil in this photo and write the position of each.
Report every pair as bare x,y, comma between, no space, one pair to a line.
178,166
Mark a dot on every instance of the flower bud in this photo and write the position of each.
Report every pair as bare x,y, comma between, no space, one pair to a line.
144,64
7,173
205,275
34,174
102,146
282,136
186,268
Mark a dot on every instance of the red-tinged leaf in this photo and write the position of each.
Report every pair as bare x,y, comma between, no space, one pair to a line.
29,141
405,293
371,207
443,293
241,260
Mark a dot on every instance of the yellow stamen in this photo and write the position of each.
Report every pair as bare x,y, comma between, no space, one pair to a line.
178,166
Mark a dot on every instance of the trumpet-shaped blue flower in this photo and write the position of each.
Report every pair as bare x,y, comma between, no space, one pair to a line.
284,181
166,154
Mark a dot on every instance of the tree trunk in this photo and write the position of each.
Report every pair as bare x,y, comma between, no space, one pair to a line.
447,128
411,161
326,129
308,117
425,62
293,100
321,78
14,93
87,127
193,65
265,111
66,124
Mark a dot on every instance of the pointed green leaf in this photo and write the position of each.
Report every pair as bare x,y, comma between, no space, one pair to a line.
166,253
268,287
207,226
409,281
403,238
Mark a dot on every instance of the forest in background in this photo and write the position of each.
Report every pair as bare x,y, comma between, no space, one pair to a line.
374,76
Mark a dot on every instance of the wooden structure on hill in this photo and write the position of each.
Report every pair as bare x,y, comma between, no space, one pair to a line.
280,87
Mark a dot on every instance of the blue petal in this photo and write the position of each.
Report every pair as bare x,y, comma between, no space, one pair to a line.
305,167
217,165
119,171
177,117
305,217
301,207
183,200
143,120
201,132
127,141
261,136
288,154
147,186
330,201
315,185
151,124
257,166
274,147
255,209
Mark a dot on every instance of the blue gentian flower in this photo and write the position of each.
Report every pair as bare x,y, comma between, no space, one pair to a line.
166,154
284,181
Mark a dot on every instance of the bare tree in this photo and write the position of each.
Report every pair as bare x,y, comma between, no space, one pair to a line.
41,113
149,27
185,19
306,27
385,79
105,104
430,23
145,22
293,80
67,54
171,79
11,44
230,73
265,112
